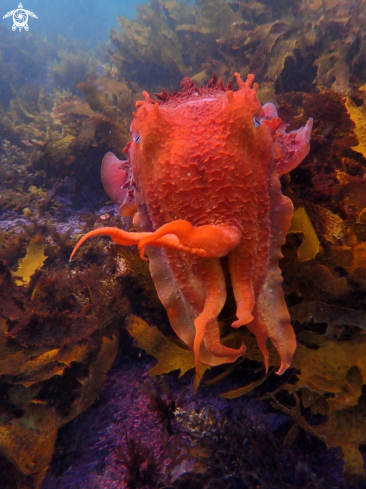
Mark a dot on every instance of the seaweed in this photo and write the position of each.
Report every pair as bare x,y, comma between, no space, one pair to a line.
163,403
140,464
51,370
301,223
229,453
32,261
72,66
59,330
292,46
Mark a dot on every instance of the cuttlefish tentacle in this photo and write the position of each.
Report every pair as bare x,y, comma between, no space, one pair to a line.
241,266
213,344
203,241
118,236
216,240
125,238
260,331
213,277
206,241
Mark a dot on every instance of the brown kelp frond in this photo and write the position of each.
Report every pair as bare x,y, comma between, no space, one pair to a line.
290,47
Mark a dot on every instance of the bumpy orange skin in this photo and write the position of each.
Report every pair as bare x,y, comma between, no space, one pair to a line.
205,172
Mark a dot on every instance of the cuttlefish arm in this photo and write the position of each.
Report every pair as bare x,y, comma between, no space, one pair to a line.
207,241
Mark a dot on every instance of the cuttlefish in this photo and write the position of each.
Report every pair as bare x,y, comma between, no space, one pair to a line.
203,171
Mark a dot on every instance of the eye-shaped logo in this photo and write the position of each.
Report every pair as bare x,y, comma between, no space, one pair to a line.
20,17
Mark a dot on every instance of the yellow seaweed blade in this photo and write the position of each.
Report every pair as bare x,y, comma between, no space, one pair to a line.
347,429
169,355
32,261
301,223
242,391
359,257
358,116
335,367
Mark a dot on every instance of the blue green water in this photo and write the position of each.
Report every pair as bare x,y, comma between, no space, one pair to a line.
89,20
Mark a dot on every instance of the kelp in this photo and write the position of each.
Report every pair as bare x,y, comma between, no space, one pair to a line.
358,116
344,429
35,145
32,261
301,223
170,356
332,315
326,386
84,129
72,66
59,333
113,101
31,201
28,441
51,370
288,46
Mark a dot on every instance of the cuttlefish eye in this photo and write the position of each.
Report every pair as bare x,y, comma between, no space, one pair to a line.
137,139
257,121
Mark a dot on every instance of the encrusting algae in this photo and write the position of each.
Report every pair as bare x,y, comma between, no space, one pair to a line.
61,326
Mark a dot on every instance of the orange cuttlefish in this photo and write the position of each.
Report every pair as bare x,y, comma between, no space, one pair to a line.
203,171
